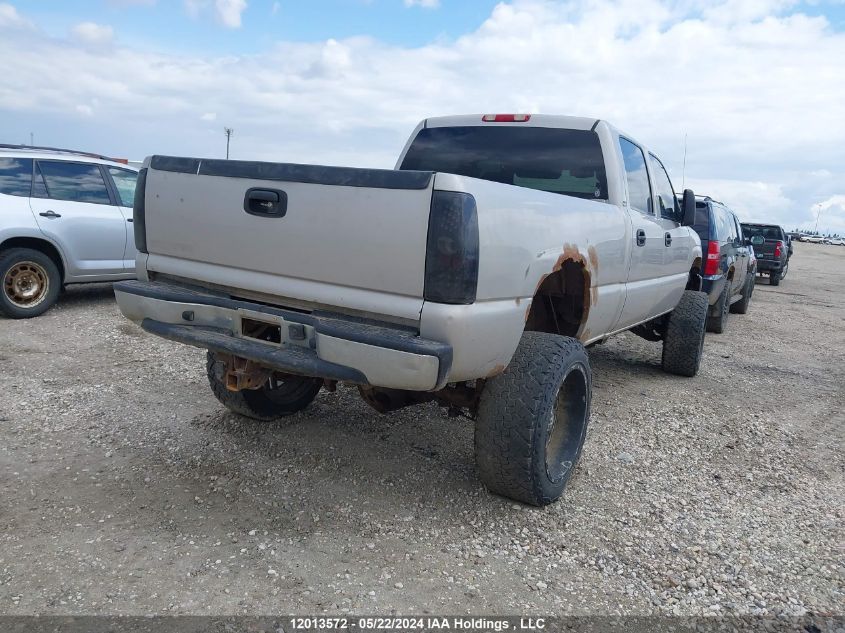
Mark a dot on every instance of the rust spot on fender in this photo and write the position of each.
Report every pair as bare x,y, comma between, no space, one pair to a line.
570,252
594,258
589,265
498,369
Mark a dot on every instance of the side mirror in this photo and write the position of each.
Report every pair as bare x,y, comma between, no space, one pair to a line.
758,240
688,208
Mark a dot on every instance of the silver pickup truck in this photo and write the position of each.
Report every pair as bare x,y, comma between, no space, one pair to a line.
474,274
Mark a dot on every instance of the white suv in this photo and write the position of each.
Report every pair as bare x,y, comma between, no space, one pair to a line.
65,218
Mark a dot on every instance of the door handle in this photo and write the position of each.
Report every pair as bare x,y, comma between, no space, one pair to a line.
640,237
266,203
667,239
50,214
129,219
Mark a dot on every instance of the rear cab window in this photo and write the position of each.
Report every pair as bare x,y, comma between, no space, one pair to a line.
16,176
74,182
765,231
555,160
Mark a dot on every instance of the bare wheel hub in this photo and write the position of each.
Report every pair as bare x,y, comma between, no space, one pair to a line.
26,284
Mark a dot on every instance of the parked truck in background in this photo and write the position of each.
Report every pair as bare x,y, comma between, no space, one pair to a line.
772,247
474,274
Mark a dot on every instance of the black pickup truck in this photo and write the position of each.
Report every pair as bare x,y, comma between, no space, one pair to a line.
772,247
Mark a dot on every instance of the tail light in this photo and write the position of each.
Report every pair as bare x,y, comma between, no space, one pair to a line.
451,257
139,216
778,249
506,118
711,265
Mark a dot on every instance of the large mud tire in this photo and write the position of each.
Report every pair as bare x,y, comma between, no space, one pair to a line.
717,321
532,419
683,343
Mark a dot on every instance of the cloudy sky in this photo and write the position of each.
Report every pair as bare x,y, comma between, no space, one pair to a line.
756,87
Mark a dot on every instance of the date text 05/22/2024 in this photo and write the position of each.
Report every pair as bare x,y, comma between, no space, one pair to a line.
427,623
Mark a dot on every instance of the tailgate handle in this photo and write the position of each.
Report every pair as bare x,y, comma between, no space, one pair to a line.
266,203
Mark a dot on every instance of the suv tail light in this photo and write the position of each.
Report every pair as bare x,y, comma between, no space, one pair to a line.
711,265
778,249
451,256
139,218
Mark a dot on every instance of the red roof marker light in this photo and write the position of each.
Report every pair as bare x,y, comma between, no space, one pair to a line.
506,118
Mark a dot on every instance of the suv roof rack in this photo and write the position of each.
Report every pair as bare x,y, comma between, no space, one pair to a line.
59,150
711,199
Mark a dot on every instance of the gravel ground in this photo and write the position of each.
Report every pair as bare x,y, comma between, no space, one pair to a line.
127,489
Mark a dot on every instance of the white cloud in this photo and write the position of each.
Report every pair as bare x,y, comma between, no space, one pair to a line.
93,33
753,201
226,12
759,96
426,4
209,116
275,8
832,216
229,12
11,19
194,7
84,109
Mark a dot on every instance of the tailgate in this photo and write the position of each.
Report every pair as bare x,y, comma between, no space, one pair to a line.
351,238
765,250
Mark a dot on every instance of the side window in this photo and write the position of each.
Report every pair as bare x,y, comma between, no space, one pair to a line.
639,189
76,182
669,207
124,182
726,225
16,176
737,227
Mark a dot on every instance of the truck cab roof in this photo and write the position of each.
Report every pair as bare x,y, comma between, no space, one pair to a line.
562,121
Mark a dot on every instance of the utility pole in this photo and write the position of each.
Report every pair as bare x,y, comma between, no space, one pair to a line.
684,169
31,139
818,213
228,131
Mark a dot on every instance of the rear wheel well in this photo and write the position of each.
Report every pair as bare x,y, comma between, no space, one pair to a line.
39,245
562,301
695,281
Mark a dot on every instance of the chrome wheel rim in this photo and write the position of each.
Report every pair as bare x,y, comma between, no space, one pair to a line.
26,284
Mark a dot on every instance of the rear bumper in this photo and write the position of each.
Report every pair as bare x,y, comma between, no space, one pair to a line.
765,265
713,285
320,345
